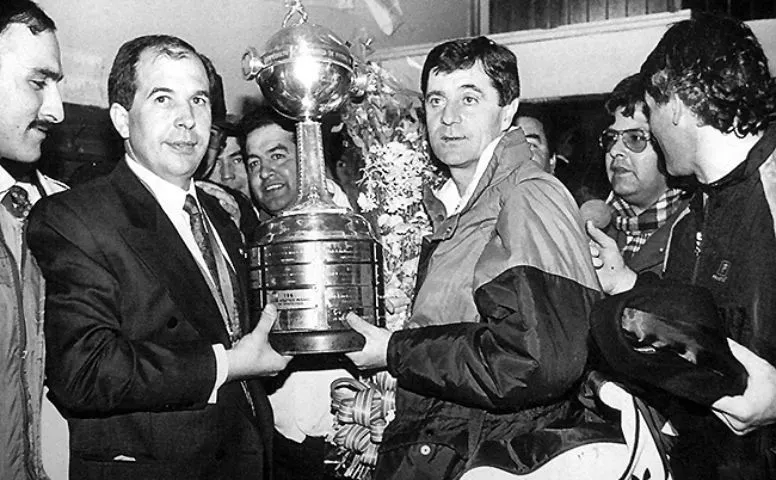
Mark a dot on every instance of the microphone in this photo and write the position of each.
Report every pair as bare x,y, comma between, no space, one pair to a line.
598,212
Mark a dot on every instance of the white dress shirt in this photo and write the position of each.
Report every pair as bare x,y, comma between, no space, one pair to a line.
171,198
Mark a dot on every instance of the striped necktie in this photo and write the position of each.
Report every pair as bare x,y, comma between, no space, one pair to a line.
214,264
202,237
17,201
227,288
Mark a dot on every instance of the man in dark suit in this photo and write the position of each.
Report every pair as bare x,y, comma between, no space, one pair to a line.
145,301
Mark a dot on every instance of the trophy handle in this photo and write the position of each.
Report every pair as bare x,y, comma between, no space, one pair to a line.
251,64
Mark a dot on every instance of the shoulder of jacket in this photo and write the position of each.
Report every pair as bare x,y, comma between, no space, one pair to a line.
526,179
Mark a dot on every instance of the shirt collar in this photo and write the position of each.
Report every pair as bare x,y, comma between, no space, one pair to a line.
170,197
448,193
6,180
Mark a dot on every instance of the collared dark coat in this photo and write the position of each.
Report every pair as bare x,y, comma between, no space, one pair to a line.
727,244
130,324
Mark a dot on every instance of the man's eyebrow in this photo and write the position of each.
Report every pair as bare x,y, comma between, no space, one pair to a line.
471,86
279,146
274,148
466,86
156,90
48,73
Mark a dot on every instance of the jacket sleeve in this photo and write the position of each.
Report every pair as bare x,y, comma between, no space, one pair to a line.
98,363
534,288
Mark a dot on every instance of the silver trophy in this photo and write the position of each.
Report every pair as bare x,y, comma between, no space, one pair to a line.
315,261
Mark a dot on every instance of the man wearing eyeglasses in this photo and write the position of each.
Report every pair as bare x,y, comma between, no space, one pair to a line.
644,206
712,105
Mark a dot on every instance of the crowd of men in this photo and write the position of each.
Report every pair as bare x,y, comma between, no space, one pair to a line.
125,303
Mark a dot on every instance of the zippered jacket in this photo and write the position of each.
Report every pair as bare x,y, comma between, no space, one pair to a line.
728,245
505,289
22,350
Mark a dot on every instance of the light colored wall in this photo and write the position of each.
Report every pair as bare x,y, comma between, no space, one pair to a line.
91,31
581,59
571,60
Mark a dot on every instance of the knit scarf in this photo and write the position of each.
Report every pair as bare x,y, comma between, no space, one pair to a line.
638,228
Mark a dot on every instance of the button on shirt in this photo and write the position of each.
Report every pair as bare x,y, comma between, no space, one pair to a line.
171,199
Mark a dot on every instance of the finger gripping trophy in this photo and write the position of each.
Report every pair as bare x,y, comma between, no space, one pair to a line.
315,261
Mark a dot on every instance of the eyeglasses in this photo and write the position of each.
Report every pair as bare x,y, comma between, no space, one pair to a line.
635,139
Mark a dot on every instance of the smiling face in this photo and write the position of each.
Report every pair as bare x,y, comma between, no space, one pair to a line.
30,71
271,159
167,129
463,115
635,177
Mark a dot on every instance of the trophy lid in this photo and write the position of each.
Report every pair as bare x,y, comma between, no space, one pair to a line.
305,70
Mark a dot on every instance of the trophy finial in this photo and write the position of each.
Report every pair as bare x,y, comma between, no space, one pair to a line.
295,7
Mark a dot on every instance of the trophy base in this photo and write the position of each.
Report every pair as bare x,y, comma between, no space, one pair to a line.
305,343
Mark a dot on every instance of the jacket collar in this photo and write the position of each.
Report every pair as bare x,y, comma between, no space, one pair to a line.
507,157
754,159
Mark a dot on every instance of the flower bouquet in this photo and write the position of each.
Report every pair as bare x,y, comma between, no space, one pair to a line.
386,125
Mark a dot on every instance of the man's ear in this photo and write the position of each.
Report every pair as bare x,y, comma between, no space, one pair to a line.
508,113
120,118
677,108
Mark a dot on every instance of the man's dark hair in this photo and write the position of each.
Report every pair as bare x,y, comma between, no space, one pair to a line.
717,67
536,112
498,62
122,81
259,117
27,13
628,94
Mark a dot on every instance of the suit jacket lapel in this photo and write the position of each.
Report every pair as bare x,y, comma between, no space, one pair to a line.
155,240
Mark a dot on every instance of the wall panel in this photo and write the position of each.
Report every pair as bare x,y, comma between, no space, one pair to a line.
516,15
